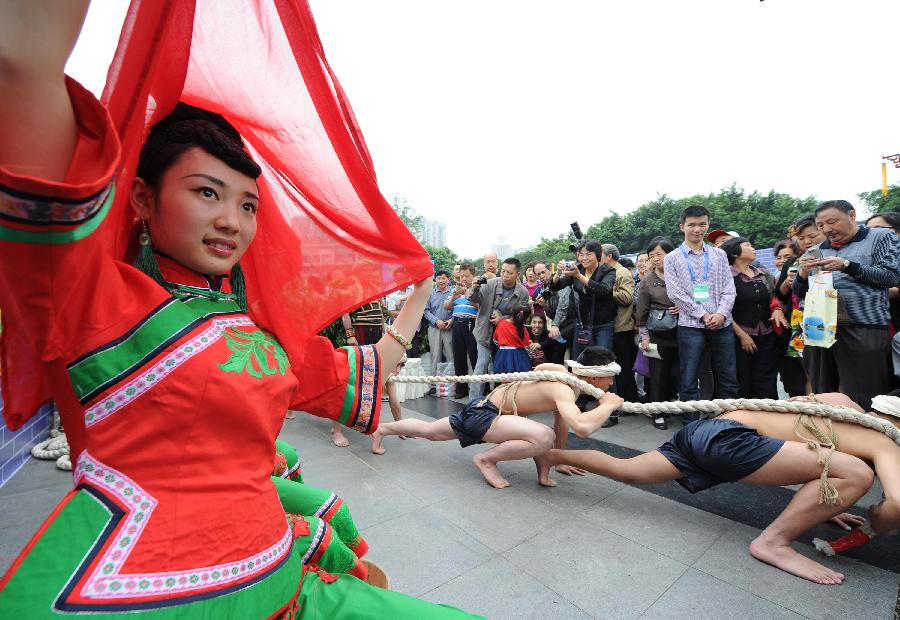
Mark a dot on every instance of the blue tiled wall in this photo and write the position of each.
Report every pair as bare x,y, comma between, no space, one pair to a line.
15,447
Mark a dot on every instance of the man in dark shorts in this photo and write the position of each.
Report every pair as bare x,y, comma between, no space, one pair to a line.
709,452
500,418
717,451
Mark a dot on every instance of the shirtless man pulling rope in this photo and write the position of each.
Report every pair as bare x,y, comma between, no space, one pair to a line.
500,418
758,447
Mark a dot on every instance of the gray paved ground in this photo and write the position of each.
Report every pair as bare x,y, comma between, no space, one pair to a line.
589,548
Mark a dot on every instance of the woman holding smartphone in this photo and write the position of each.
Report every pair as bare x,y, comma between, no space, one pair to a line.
805,235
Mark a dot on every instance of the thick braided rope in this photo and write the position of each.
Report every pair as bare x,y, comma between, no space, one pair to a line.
51,449
715,407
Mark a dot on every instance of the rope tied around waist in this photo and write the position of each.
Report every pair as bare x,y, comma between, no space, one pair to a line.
505,389
824,442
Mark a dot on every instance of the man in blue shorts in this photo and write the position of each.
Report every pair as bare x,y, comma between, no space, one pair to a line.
709,452
500,418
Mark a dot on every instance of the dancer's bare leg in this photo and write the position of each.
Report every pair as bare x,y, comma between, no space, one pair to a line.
439,430
516,438
646,468
794,464
390,389
337,437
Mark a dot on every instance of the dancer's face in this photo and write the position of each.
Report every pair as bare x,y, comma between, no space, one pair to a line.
603,383
203,214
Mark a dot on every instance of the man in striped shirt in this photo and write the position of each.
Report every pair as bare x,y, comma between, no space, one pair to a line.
864,265
465,349
699,282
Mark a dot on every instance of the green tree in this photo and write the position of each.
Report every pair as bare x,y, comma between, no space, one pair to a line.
549,250
762,218
408,215
444,258
878,203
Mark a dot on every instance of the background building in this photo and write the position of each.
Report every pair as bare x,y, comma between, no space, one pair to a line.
502,249
433,233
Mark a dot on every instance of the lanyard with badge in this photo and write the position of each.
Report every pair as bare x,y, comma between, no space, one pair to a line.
701,289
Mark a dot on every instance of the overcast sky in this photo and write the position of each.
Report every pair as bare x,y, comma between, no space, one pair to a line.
514,118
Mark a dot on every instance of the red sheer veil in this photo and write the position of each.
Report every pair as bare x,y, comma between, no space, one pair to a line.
327,240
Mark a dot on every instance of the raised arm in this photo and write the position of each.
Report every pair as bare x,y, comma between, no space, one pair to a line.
585,423
407,322
37,121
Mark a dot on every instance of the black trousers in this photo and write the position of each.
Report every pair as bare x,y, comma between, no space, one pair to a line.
626,352
664,383
555,351
465,351
790,369
857,364
757,373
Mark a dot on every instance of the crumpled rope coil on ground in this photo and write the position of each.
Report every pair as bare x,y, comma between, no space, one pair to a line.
716,407
56,448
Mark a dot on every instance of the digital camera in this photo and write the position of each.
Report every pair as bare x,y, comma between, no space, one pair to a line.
570,264
481,280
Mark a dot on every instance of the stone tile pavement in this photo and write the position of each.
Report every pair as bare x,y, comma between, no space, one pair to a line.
589,548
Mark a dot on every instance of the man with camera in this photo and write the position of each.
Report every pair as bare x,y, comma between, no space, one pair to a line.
465,350
560,321
496,299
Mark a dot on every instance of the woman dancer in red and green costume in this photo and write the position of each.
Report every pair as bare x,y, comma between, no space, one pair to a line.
155,367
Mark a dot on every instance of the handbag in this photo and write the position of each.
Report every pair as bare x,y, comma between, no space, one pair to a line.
584,335
660,320
641,364
820,312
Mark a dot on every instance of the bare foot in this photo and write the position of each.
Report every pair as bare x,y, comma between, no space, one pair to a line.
785,558
377,438
490,472
338,439
290,416
543,470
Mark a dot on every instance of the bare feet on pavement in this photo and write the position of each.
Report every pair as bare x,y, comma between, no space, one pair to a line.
490,472
338,439
787,559
543,470
377,438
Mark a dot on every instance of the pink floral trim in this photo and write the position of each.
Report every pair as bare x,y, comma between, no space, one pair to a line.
46,211
144,382
367,385
107,581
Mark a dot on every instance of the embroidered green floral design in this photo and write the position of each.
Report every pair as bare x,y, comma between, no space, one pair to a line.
250,352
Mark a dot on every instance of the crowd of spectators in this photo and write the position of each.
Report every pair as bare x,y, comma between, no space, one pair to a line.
696,320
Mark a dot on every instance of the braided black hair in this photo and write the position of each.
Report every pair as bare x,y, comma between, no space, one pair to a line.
184,128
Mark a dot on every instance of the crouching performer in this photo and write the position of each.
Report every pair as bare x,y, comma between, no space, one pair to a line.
501,418
772,449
